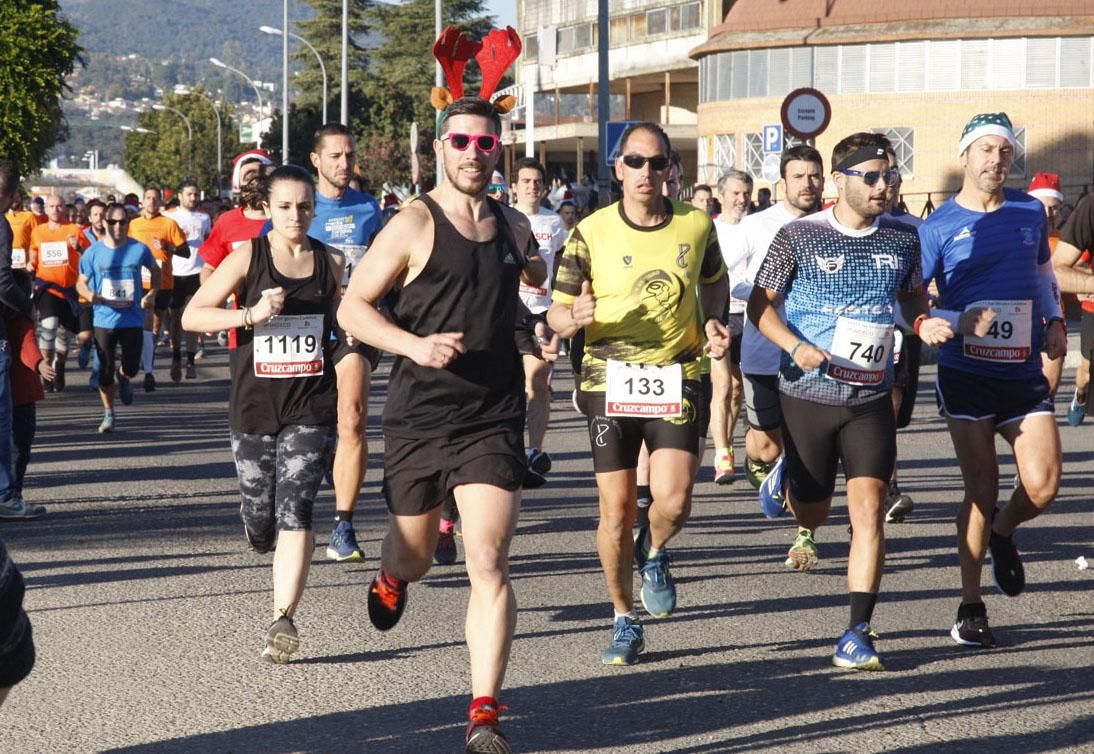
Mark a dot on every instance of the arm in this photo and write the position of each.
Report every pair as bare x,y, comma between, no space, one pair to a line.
712,298
206,313
156,279
11,295
763,306
573,306
1071,279
535,269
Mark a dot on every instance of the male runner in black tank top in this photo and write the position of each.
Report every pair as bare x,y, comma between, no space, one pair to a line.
454,419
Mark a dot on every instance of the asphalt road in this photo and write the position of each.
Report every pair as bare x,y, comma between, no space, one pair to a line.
149,613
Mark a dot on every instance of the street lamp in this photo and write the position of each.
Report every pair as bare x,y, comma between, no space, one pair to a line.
189,134
221,64
276,32
220,142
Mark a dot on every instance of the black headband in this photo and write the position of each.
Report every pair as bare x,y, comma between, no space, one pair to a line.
862,154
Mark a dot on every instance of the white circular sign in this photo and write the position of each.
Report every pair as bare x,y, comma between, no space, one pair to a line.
806,113
771,168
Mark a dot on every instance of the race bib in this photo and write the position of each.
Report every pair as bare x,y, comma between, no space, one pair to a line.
354,254
1008,340
118,291
531,290
860,352
54,254
289,346
18,259
644,391
146,274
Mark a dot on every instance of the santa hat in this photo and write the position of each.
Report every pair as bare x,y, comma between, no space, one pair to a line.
251,155
986,124
1046,186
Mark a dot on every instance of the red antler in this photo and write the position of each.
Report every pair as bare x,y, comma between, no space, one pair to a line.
452,49
499,50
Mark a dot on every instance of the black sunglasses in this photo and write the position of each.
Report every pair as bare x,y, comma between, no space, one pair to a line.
871,177
115,222
637,162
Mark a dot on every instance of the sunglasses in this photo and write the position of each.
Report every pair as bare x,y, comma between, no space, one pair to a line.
495,188
871,177
637,162
485,143
115,222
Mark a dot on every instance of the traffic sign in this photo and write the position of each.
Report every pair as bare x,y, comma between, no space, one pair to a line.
770,168
773,138
615,134
806,113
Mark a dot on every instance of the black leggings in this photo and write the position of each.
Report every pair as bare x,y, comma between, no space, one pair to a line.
24,425
131,339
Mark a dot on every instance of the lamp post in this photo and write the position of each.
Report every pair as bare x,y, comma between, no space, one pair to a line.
189,134
221,64
285,84
322,67
345,63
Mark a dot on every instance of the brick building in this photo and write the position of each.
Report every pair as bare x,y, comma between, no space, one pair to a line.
915,71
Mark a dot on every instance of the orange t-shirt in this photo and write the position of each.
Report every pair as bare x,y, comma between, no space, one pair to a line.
55,254
153,233
22,224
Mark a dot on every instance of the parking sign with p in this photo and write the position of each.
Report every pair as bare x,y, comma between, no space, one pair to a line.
773,139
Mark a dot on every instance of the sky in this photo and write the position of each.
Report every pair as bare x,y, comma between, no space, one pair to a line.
505,11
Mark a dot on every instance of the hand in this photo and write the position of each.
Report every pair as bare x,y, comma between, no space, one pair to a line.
148,301
934,331
269,306
808,357
717,338
1056,340
546,341
46,370
438,350
583,310
976,321
351,341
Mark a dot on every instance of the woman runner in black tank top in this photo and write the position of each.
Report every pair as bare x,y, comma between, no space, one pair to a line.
283,397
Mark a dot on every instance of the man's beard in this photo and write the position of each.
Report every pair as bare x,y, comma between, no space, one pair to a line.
466,185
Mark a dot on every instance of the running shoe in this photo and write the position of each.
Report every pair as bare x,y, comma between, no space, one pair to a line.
723,469
191,372
803,553
855,649
628,641
125,390
1006,565
483,734
83,356
59,377
772,493
385,603
972,630
539,461
658,592
898,505
281,640
222,338
18,508
343,545
756,471
1076,411
149,383
107,424
164,341
445,553
176,368
533,480
200,353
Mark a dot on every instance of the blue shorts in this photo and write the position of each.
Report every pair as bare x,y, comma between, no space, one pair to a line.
964,395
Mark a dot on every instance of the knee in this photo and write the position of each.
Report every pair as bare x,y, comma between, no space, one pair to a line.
351,421
1041,487
616,517
675,505
487,565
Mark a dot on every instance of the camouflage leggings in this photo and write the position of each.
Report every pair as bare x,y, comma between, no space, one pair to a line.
279,477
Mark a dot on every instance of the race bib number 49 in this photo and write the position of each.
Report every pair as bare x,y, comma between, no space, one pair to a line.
1008,338
860,352
54,254
644,391
289,346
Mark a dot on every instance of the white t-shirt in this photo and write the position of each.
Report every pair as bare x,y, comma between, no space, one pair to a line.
736,264
196,226
753,238
551,234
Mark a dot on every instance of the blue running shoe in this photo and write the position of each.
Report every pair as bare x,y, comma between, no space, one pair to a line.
628,641
658,592
343,545
1076,411
83,356
855,649
772,493
125,390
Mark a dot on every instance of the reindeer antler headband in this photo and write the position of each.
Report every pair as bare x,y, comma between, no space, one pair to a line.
495,53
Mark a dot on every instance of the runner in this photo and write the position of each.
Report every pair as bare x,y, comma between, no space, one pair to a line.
110,275
837,274
283,400
27,373
94,230
196,226
1071,262
163,236
629,275
567,212
549,233
55,248
454,418
702,198
346,220
987,250
735,194
22,224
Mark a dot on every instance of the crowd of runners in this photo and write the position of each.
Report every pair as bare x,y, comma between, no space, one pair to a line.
806,318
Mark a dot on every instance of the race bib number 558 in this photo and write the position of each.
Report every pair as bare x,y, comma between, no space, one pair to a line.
644,391
289,346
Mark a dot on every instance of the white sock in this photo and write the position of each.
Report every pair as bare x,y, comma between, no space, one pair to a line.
631,614
148,352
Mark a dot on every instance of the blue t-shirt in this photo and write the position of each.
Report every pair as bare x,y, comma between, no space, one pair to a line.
841,282
977,257
116,274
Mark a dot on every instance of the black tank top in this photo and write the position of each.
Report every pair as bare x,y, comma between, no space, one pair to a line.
467,287
264,405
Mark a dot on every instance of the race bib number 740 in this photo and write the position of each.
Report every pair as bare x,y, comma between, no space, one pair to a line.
289,346
644,391
861,352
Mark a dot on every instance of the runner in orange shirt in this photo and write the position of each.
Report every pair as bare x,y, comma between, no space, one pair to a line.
165,238
22,222
55,248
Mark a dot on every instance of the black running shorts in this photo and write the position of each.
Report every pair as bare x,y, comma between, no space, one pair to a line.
818,437
906,376
735,323
185,287
761,393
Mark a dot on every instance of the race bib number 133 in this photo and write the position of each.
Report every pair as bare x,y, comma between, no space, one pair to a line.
644,391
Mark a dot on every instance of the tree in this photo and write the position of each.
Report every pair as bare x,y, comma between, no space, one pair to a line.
324,32
302,125
38,50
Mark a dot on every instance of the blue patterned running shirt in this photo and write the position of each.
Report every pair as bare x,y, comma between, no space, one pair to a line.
840,286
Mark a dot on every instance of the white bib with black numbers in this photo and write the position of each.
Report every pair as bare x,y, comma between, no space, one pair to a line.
644,391
118,291
1009,337
860,352
18,259
289,346
54,254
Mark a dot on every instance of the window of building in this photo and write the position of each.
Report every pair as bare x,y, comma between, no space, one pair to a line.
657,21
1075,61
903,141
691,16
531,48
1018,169
754,155
638,26
617,30
1041,63
717,155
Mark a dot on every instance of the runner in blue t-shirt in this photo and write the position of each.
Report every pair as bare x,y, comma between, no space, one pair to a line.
841,275
987,249
110,278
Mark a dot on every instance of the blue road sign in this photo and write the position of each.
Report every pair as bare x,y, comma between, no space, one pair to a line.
773,139
615,133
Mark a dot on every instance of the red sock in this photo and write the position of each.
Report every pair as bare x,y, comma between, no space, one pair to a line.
394,583
482,701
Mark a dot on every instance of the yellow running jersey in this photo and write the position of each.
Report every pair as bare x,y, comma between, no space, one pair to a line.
645,281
